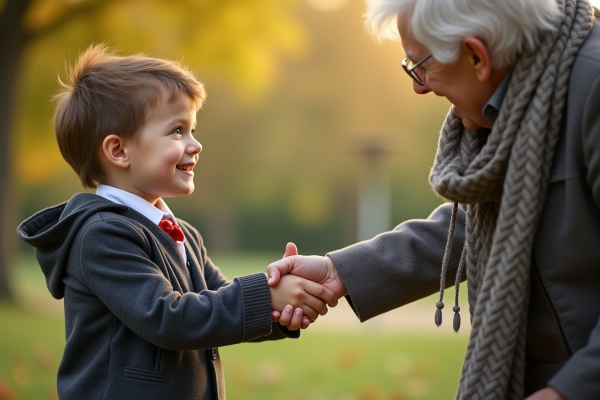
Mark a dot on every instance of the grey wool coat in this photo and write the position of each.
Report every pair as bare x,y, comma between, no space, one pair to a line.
563,339
140,323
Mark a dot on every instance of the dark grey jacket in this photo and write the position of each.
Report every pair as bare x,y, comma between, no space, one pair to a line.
563,346
140,323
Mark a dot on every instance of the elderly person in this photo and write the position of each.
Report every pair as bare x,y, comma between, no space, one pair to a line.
519,160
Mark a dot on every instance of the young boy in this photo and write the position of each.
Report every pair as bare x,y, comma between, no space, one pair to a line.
145,308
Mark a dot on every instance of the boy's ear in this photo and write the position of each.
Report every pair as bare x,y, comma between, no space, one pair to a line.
114,150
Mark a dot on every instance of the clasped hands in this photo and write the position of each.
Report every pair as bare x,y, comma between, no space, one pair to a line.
302,287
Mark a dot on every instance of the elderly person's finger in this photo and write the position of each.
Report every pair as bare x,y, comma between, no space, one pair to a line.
290,250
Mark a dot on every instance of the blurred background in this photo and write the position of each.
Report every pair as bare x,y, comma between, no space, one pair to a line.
311,133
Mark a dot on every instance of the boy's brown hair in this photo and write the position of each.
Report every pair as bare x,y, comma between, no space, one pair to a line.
107,94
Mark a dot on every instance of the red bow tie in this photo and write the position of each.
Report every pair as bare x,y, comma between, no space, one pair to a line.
172,230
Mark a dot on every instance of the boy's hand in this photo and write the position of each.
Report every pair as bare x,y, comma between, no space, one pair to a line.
291,318
298,292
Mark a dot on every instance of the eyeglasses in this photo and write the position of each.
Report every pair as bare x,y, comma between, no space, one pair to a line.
411,68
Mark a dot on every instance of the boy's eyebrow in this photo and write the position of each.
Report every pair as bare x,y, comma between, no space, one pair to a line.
181,120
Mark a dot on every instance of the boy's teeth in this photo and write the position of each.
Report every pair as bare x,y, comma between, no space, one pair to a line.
186,167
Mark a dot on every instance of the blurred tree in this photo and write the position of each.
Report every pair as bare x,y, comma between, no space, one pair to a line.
239,40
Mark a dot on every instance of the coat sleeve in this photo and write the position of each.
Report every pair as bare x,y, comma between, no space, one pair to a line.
115,266
400,266
579,378
215,279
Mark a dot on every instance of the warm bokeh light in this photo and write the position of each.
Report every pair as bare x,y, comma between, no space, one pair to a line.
334,5
327,5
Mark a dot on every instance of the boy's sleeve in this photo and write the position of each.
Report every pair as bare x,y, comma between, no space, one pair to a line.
215,279
114,264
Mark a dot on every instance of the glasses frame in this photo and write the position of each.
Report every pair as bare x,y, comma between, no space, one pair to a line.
411,70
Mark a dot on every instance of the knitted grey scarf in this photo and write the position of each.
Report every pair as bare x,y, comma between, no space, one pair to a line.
502,184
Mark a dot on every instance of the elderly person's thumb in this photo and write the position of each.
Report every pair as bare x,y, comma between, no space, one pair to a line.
290,250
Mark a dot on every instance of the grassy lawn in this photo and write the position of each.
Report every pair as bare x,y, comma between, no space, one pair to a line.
31,345
344,367
322,365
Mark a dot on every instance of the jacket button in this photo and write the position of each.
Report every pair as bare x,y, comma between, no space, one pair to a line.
214,353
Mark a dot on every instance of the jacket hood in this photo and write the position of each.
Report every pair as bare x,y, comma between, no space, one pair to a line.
53,230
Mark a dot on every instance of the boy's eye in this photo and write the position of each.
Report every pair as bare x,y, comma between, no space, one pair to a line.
177,131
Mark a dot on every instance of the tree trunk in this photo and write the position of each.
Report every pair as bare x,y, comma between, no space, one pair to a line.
12,42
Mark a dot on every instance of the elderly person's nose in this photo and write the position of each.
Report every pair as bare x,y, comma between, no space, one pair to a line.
421,89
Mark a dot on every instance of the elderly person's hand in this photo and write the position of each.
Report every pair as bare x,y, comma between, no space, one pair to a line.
289,317
315,268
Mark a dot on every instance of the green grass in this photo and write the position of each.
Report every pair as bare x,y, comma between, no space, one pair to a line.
31,346
344,366
322,365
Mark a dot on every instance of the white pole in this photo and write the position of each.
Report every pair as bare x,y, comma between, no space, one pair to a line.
374,194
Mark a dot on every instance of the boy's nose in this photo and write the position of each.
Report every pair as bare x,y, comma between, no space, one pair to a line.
194,147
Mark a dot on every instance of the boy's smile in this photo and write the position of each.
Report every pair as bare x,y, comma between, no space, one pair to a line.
159,161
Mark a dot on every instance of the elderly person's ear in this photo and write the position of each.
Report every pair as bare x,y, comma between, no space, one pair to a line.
478,57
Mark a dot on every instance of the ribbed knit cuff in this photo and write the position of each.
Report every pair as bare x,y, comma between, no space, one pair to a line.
285,332
257,306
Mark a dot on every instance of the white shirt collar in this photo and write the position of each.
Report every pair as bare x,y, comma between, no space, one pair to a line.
153,213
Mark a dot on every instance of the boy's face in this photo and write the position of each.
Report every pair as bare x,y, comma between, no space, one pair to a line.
161,163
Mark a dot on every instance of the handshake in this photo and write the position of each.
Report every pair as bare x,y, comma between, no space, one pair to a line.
302,287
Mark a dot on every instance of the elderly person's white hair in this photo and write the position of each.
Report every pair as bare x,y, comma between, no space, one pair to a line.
507,27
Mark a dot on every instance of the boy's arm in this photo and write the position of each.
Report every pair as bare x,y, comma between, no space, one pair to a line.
215,279
286,326
114,264
289,323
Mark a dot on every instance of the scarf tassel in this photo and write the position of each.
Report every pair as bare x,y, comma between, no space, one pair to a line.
438,313
456,322
439,305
